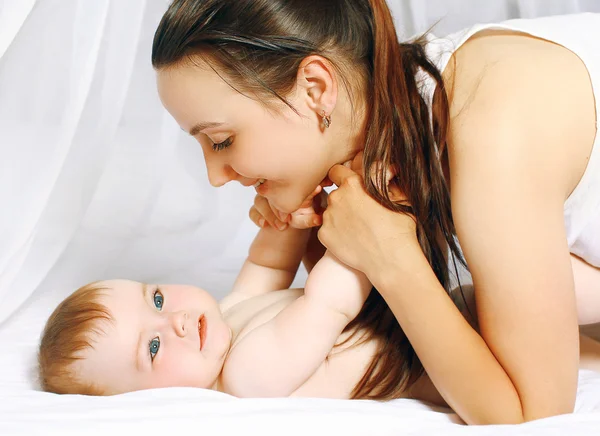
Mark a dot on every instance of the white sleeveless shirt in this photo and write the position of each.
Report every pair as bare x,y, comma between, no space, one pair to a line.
580,34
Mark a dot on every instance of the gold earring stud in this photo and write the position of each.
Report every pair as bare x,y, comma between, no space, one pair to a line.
326,119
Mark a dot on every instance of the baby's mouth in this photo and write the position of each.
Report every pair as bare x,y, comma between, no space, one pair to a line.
202,331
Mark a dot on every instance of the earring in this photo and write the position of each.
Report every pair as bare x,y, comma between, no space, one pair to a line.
326,119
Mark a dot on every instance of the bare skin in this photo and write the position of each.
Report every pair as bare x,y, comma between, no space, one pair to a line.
259,341
522,125
179,362
512,162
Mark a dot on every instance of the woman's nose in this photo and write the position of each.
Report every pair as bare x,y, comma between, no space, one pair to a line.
179,322
218,172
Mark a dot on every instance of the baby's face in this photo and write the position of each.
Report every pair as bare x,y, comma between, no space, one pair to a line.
161,336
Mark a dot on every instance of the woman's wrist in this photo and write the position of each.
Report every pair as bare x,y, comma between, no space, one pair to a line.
402,265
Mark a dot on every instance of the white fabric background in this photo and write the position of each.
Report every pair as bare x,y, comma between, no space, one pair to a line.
96,181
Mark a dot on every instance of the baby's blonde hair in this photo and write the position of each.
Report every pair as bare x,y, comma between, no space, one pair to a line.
68,332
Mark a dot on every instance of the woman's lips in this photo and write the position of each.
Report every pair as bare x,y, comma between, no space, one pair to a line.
202,331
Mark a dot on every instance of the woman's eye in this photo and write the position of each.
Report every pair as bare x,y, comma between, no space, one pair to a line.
159,300
154,346
222,145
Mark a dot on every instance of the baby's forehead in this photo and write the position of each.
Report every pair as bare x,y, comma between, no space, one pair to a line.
117,305
120,292
120,285
111,331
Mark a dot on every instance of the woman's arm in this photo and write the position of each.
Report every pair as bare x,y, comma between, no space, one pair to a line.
511,173
517,150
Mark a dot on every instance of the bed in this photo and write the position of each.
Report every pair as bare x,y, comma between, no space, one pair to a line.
97,181
26,411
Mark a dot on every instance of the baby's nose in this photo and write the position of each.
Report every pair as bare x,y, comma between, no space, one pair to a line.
179,322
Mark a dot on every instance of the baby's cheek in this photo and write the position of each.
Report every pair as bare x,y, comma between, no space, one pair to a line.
182,297
178,369
175,299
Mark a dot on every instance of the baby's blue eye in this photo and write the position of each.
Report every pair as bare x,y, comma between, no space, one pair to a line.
159,300
154,346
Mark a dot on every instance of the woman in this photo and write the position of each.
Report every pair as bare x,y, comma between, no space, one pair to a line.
488,135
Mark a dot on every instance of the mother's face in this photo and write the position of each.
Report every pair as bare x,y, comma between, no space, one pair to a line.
242,140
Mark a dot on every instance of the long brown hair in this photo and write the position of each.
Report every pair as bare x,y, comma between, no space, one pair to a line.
257,47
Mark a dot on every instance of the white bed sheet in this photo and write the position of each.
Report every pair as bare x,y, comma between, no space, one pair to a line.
26,411
174,411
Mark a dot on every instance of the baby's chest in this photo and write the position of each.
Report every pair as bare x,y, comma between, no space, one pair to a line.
254,312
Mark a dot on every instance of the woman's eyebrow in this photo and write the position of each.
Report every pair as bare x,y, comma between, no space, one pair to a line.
202,126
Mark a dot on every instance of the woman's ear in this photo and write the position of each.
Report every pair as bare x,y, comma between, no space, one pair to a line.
317,80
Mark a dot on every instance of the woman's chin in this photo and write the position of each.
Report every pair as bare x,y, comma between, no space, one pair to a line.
286,200
284,204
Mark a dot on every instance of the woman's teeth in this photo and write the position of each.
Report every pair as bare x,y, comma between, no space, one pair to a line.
258,183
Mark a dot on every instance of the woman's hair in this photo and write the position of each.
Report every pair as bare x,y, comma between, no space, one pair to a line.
69,331
257,46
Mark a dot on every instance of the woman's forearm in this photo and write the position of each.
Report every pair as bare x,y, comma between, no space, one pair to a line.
456,358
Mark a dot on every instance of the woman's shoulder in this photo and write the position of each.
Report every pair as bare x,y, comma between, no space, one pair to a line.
496,62
516,98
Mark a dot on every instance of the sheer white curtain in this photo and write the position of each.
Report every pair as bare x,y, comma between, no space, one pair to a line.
96,180
415,16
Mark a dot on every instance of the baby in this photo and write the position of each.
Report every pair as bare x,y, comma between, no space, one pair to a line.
261,340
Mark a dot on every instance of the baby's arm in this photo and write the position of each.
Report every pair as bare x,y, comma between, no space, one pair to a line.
314,250
276,358
272,263
275,255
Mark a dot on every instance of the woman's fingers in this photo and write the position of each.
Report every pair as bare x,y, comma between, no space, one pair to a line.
309,200
339,173
357,164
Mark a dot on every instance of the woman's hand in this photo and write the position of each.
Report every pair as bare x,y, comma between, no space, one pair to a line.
308,215
361,232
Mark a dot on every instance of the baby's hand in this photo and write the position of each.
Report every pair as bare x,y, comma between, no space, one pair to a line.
310,212
308,215
263,215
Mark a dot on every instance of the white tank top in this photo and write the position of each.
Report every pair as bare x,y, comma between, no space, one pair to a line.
580,34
